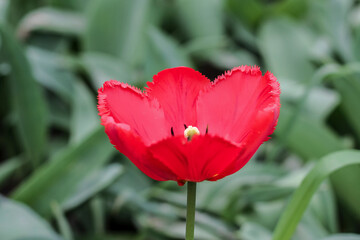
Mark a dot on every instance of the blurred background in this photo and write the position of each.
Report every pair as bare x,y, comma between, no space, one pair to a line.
60,178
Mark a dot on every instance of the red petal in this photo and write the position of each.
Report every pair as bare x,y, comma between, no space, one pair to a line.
130,106
237,102
261,129
177,90
252,105
131,146
202,158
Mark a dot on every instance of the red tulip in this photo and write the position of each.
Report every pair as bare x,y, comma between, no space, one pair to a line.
184,127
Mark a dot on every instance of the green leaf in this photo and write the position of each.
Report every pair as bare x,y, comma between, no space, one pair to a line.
92,184
345,236
217,197
52,71
302,196
103,67
58,179
248,11
254,231
84,117
163,52
18,8
8,167
308,137
167,48
309,228
28,99
214,225
349,88
323,207
296,8
52,20
125,236
201,18
79,5
265,193
18,221
319,103
133,180
285,46
355,20
98,212
341,181
243,33
117,27
202,46
263,213
62,223
332,18
228,59
3,9
173,229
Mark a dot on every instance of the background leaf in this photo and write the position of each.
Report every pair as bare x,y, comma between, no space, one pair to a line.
18,221
303,194
125,39
56,159
59,178
28,99
93,184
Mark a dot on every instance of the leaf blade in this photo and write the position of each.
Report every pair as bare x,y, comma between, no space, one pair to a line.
302,196
29,101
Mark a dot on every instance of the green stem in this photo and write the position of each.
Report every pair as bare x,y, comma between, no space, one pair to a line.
190,212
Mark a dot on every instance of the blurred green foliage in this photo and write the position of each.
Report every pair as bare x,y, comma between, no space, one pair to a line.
60,178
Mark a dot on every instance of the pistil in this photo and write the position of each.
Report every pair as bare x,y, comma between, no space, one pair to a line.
190,131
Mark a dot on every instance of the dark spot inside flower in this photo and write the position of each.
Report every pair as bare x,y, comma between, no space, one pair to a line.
172,131
207,129
185,126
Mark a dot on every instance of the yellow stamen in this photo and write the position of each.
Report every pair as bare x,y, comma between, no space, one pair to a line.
190,131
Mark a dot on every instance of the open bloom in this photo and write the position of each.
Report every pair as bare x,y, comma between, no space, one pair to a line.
184,127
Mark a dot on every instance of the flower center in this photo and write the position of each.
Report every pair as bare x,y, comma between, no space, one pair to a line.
190,131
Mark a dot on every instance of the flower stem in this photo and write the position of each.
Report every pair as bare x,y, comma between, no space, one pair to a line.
190,212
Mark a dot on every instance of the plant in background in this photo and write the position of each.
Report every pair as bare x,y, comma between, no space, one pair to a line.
61,179
185,128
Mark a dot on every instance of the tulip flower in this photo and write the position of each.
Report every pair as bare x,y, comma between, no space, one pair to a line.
185,128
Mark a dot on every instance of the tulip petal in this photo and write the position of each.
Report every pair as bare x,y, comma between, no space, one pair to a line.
235,100
128,105
177,90
202,158
259,134
131,145
252,105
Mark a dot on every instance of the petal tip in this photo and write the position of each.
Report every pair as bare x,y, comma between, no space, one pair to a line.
274,92
181,70
103,107
273,82
251,70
